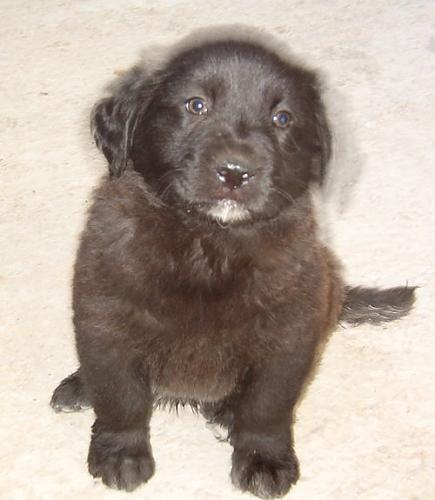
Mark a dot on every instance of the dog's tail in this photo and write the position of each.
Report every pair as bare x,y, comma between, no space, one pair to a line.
376,305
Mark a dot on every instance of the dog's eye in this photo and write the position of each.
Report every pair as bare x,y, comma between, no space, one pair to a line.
196,106
282,119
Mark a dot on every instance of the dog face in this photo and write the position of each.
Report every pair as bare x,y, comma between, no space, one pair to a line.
227,129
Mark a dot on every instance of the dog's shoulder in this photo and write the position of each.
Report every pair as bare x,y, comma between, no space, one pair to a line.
122,214
127,194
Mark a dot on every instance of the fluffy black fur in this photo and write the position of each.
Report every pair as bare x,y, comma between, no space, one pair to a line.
371,305
200,278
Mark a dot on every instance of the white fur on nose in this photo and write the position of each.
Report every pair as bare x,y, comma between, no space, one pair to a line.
228,211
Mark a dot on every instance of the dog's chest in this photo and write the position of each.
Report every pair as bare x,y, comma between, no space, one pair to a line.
199,348
218,313
205,342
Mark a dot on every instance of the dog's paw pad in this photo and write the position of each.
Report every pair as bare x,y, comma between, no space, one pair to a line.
264,477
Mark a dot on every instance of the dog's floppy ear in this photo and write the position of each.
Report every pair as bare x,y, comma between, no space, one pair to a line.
114,118
320,131
324,139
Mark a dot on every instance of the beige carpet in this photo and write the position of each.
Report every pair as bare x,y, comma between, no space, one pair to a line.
366,429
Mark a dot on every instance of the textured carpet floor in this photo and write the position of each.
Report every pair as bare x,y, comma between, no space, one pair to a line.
366,428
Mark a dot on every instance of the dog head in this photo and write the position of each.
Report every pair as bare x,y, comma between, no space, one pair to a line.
227,129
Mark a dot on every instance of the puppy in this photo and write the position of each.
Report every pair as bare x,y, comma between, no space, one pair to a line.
200,278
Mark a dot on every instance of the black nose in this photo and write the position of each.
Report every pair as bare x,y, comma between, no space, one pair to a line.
233,176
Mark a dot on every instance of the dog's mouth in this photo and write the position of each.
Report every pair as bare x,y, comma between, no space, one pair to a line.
228,211
224,211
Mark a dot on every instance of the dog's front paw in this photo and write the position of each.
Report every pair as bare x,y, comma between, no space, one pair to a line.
265,477
120,465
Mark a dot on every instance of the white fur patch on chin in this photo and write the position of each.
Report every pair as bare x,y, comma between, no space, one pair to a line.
228,211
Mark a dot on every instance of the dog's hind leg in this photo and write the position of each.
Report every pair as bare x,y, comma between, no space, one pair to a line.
70,395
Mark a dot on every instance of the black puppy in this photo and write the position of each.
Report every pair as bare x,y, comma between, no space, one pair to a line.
200,278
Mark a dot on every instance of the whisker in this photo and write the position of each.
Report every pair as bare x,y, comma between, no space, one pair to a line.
173,171
295,144
284,194
166,189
